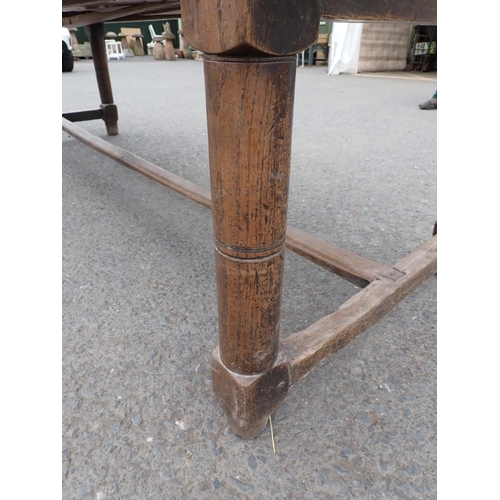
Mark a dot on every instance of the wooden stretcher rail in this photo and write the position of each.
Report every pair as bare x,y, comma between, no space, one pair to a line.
307,348
251,398
342,262
182,186
83,116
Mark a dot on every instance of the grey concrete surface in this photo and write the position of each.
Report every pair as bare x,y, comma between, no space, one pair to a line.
139,298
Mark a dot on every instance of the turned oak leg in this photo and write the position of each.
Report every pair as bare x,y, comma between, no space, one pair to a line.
100,59
249,112
249,64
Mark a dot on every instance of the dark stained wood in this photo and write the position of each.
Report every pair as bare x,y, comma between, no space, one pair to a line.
278,27
248,400
210,14
346,264
82,116
131,13
83,5
309,347
421,11
100,60
249,115
153,15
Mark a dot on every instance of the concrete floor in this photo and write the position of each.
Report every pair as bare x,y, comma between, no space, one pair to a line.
140,312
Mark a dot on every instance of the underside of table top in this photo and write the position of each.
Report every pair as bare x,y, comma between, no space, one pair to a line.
82,12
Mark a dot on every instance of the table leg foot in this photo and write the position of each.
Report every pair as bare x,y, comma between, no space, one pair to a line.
248,400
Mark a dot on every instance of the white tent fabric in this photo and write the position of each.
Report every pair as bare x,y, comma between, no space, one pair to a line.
345,43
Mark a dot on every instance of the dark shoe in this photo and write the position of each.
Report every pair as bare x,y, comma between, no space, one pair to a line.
430,104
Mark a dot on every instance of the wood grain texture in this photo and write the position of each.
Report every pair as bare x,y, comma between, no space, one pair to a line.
248,400
86,5
273,27
309,347
421,11
249,116
258,27
82,13
249,301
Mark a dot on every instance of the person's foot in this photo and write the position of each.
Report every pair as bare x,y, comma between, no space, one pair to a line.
430,104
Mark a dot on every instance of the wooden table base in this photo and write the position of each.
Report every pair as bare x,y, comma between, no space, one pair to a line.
249,399
249,61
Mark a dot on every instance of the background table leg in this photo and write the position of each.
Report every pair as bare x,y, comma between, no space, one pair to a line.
103,81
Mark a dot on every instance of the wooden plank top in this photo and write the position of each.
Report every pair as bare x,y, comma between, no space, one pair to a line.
82,12
411,11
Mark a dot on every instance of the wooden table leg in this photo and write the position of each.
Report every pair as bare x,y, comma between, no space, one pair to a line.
249,68
249,111
110,112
